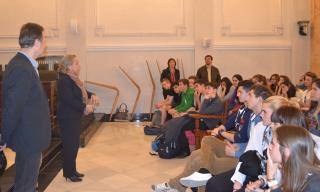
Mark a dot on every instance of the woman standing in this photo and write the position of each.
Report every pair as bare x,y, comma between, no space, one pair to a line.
73,101
171,72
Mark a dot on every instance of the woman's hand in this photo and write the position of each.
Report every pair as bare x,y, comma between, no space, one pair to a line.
94,100
89,109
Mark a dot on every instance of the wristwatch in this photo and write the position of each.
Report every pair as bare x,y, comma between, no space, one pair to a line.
221,131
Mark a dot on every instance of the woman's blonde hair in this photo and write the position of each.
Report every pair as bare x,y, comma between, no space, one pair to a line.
275,102
302,159
66,62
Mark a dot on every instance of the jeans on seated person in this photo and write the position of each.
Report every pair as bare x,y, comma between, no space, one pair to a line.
240,151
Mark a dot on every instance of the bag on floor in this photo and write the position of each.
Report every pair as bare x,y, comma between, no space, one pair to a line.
151,130
122,113
175,148
156,142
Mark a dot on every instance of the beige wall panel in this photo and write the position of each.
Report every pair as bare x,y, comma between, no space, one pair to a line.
122,22
103,66
14,13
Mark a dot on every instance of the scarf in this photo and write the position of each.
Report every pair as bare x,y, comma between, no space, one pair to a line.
80,84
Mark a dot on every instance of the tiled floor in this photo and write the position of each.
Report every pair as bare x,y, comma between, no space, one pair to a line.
117,160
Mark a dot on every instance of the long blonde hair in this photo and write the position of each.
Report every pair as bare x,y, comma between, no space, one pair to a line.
65,63
302,159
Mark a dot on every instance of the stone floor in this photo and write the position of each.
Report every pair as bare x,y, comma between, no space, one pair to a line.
117,160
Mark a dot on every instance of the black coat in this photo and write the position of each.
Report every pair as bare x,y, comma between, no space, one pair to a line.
70,102
25,117
166,74
203,74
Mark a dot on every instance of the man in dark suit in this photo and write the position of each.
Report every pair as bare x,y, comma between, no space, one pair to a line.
25,120
208,72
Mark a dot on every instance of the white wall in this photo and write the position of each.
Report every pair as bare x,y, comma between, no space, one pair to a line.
247,37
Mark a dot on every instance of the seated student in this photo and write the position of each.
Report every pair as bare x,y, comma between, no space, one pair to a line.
192,80
261,103
281,80
175,102
211,105
273,82
212,153
234,104
225,89
313,114
259,79
166,104
309,77
285,115
167,93
186,99
199,93
289,91
292,151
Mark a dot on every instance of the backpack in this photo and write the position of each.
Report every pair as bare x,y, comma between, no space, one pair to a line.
151,130
156,142
173,149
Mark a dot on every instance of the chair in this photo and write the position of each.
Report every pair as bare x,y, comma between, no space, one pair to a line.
199,134
51,91
50,61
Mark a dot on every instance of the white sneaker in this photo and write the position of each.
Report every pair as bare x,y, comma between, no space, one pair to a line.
196,179
163,187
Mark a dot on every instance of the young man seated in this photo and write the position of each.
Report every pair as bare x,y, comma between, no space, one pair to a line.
172,99
215,155
192,80
199,93
186,99
212,105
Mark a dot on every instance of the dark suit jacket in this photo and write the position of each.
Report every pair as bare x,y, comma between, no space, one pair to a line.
203,74
166,74
70,101
25,118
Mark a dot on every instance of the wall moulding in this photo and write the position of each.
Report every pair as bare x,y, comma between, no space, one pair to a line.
110,29
52,30
12,49
251,47
240,23
140,47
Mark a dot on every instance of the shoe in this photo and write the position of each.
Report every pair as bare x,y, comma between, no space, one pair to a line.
196,179
163,187
79,174
74,179
153,152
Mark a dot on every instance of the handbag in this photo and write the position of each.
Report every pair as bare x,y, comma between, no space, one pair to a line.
122,113
3,163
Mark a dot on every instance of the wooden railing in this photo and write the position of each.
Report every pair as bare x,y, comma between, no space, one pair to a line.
108,87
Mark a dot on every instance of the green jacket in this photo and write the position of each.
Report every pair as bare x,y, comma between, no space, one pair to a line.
186,100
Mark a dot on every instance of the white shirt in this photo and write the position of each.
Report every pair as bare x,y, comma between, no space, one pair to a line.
254,143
